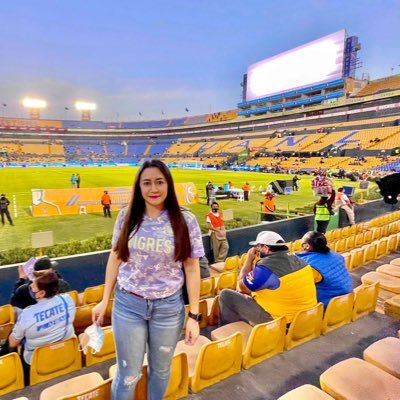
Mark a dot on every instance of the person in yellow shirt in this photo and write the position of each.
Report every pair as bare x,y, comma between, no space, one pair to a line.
278,285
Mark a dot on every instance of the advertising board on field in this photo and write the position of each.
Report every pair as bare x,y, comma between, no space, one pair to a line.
52,202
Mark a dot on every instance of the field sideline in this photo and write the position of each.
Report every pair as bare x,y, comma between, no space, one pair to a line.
20,181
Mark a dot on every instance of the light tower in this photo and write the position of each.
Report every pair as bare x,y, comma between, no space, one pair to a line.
85,109
34,106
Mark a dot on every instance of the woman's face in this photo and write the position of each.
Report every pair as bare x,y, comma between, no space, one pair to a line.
154,187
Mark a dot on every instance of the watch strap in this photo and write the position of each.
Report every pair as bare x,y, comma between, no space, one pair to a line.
196,317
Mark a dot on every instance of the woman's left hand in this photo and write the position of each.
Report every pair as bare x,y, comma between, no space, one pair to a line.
192,331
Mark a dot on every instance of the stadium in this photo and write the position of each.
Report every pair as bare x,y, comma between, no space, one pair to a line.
320,118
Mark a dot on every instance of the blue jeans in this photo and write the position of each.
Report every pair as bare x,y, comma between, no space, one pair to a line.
142,325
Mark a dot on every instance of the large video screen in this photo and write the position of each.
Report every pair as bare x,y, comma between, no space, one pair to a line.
315,62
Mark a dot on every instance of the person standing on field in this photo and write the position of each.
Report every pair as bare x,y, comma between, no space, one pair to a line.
217,232
4,203
106,203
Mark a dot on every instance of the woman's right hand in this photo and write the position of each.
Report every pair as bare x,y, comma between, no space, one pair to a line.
98,312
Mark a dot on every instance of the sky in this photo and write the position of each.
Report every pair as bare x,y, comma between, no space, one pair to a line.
159,57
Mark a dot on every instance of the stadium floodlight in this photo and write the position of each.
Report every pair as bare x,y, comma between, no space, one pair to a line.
34,106
85,108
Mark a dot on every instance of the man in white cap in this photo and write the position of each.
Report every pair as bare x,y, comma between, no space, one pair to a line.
278,285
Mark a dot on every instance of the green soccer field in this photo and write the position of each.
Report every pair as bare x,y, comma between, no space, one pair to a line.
20,181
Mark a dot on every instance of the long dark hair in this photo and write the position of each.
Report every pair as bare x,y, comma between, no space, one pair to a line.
317,241
137,208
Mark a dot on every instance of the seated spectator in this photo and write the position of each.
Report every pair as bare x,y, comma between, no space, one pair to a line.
280,284
48,321
330,273
21,297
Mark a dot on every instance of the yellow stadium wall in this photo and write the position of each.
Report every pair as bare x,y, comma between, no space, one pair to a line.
51,202
222,116
31,123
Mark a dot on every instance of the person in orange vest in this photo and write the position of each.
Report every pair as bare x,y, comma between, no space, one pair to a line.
217,232
268,207
106,203
246,190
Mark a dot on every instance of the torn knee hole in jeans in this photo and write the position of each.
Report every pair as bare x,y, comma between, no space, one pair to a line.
166,349
131,380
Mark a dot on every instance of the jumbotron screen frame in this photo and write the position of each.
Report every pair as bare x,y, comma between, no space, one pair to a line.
315,62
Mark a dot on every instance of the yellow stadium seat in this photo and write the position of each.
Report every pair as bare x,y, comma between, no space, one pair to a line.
347,259
359,239
243,259
227,280
392,306
340,246
328,236
357,379
369,252
377,233
353,229
306,392
336,234
232,263
5,330
83,317
387,282
357,258
71,386
297,245
213,310
351,242
54,360
381,247
207,287
107,351
12,375
368,236
7,314
101,391
217,361
365,298
178,386
392,243
395,261
93,294
305,326
345,232
265,341
74,296
338,312
389,269
229,329
385,355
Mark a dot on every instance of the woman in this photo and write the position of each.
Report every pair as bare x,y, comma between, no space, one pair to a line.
323,211
153,238
330,273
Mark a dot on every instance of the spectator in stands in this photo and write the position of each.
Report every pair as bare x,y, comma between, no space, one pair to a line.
217,232
21,297
73,181
4,203
106,203
268,207
48,321
156,246
323,211
78,181
279,284
209,191
343,202
246,189
330,273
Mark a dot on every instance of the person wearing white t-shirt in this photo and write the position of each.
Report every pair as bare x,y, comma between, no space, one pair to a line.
342,201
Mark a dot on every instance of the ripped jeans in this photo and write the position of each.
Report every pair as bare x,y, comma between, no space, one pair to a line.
140,326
